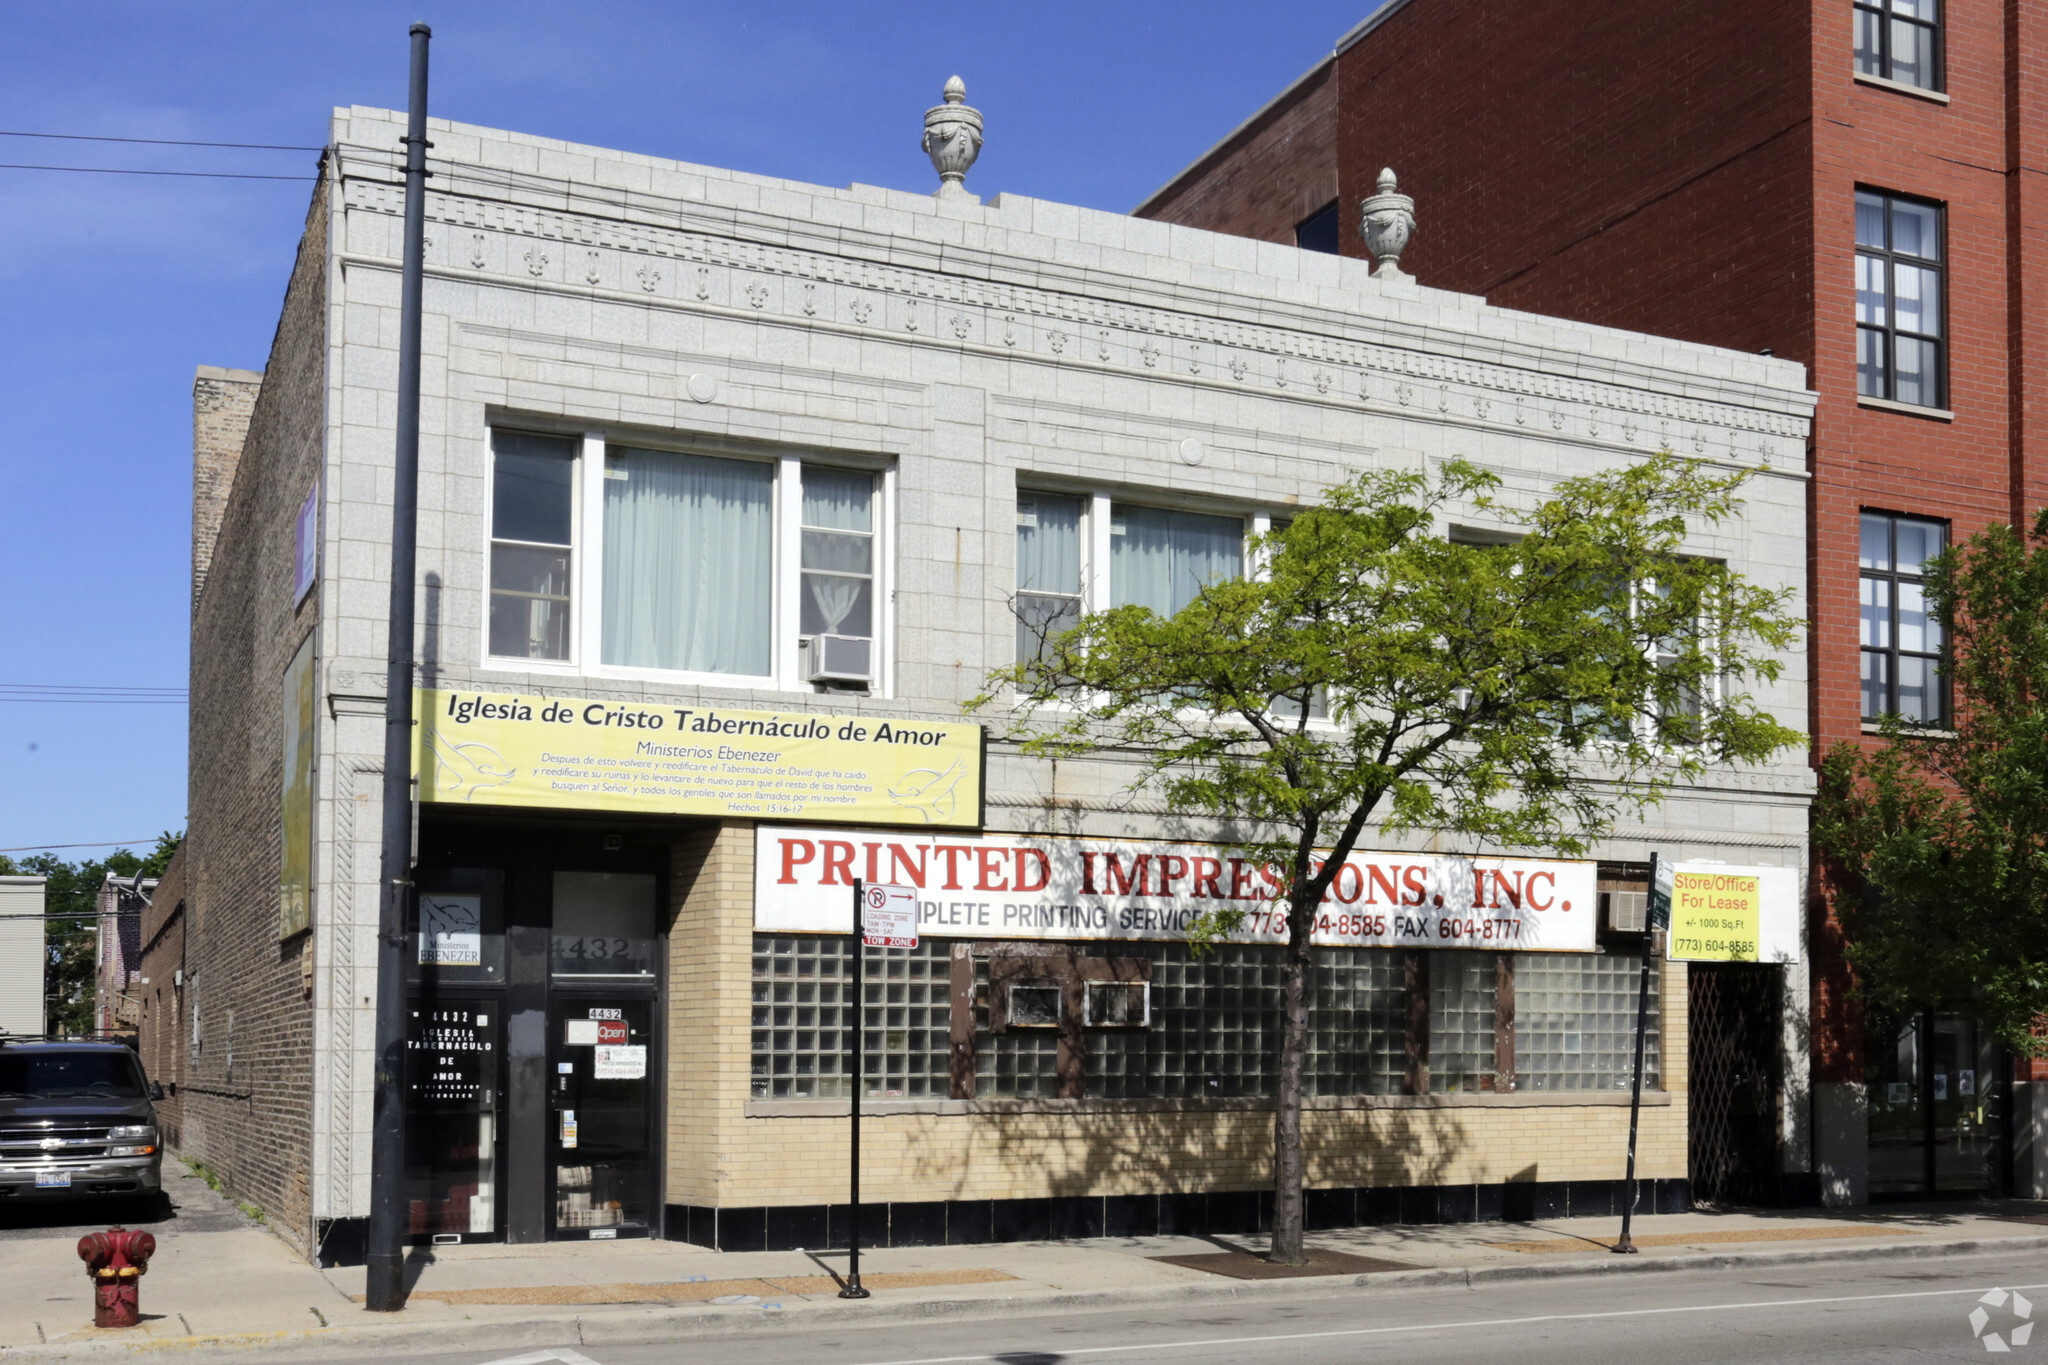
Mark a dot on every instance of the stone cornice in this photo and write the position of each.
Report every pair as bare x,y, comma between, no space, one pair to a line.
957,298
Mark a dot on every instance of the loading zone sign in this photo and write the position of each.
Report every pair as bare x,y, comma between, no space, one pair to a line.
889,916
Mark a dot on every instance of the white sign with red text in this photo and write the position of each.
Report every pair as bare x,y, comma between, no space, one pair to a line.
888,916
1019,886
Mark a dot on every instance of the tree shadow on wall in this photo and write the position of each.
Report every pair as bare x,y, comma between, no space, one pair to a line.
1144,1168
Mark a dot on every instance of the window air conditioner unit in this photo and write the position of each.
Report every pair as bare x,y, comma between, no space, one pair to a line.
1628,912
839,659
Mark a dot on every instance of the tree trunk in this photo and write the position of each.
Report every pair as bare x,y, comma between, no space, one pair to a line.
1288,1161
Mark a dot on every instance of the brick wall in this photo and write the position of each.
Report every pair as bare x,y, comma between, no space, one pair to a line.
1968,471
1690,172
161,996
222,403
247,1094
1267,176
1639,166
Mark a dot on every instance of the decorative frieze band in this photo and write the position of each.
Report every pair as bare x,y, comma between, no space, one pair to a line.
573,250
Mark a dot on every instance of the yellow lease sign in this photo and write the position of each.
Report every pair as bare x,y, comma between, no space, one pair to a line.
503,749
1716,917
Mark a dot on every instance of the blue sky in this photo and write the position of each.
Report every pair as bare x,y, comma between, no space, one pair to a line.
115,287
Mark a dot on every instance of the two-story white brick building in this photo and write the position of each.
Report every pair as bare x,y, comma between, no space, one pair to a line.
730,489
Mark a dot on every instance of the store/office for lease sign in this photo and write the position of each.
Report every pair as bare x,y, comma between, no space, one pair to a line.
1724,913
501,749
1017,886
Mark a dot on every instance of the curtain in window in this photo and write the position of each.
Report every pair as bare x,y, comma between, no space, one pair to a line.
838,552
687,568
1048,544
1161,559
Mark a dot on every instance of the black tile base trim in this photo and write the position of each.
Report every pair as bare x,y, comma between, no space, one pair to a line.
341,1241
1189,1214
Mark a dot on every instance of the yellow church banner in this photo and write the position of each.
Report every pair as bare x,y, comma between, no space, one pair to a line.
568,753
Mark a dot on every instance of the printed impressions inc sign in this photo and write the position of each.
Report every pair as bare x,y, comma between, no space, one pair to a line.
492,749
1011,886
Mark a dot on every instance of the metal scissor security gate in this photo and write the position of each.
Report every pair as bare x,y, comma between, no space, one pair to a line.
1735,1014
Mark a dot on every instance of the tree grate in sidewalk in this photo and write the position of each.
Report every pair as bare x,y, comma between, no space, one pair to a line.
1246,1265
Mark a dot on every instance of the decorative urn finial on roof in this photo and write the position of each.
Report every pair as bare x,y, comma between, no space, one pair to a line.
1387,221
952,138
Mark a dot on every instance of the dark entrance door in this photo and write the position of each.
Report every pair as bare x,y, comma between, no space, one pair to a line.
534,1111
1938,1096
1735,1015
600,1112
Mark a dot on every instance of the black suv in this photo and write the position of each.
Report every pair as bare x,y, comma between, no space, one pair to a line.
75,1119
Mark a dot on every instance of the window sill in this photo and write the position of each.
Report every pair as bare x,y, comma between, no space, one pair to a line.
1527,1099
1906,409
1871,727
1901,88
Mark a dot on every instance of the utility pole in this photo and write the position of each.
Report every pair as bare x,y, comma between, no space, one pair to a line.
386,1286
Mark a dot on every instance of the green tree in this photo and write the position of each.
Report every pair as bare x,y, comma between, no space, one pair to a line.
71,899
1515,694
1944,836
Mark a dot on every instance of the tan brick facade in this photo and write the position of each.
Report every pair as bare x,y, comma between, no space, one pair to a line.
727,1151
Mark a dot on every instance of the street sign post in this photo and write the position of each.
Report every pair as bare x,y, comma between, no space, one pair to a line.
883,917
891,917
1661,884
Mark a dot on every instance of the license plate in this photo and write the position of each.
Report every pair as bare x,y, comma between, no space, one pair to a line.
53,1180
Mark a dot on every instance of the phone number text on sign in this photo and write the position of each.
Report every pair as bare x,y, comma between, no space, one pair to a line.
1716,916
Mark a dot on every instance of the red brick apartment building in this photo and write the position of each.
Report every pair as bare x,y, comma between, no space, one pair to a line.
1854,184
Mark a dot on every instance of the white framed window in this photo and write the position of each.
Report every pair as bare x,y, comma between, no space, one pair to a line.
533,518
836,575
1117,1004
1049,574
1079,553
625,558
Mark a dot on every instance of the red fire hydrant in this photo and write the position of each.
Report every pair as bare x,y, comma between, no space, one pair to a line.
116,1259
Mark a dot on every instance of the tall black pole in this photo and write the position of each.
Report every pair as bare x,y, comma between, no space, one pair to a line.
1654,924
386,1287
859,1052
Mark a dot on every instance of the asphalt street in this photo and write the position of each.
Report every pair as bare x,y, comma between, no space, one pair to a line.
1899,1310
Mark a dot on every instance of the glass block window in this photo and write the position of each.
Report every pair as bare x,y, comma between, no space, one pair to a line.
1898,300
1899,40
801,984
1216,1026
1575,1021
1357,1022
1021,1063
1463,987
1900,637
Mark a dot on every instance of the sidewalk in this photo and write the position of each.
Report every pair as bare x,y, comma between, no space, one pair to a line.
219,1282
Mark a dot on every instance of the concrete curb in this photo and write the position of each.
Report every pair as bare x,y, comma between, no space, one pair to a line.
627,1327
